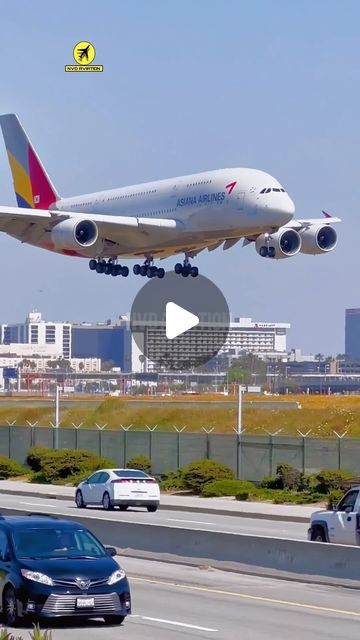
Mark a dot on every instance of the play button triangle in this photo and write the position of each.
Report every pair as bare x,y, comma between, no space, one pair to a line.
178,320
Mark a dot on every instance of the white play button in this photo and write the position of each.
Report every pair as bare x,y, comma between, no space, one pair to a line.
178,320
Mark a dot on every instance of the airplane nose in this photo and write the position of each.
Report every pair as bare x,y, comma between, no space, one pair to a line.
284,210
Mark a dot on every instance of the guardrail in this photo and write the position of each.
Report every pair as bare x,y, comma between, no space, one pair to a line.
277,557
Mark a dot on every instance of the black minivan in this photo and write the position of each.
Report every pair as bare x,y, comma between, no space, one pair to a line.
51,567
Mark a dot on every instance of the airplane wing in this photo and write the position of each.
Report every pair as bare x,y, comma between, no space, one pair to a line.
28,225
306,223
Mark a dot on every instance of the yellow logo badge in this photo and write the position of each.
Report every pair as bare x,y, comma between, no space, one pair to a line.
84,54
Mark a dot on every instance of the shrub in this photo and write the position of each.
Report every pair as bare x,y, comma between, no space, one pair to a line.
221,488
10,468
142,463
36,456
242,496
173,481
66,464
271,482
199,473
334,498
289,477
327,480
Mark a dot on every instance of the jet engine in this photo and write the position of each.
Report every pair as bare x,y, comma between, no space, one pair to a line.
74,234
320,239
282,244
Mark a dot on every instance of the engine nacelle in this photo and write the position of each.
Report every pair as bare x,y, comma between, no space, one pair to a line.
282,244
74,234
319,239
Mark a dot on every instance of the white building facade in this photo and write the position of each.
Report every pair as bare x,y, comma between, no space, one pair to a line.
37,332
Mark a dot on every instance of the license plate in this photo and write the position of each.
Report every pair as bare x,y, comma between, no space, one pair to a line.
85,603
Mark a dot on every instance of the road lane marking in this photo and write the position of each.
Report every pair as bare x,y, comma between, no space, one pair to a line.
39,504
246,596
175,623
192,521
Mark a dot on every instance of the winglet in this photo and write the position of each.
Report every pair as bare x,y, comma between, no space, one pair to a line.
327,215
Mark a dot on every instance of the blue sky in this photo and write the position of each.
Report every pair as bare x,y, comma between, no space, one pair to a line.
189,86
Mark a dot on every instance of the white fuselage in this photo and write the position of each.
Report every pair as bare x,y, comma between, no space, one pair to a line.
208,207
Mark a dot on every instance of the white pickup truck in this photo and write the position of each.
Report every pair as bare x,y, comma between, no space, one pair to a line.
342,524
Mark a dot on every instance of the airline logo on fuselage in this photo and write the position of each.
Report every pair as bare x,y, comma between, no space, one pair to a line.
205,198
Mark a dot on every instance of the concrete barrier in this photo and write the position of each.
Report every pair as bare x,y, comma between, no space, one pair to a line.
279,557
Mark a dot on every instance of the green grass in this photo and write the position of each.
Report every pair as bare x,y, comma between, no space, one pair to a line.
321,414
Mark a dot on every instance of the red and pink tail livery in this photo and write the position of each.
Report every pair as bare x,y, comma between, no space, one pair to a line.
33,187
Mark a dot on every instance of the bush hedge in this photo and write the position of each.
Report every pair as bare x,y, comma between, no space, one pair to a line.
142,463
199,473
221,488
10,468
64,465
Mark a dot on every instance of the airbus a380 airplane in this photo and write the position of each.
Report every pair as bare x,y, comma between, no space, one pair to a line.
156,220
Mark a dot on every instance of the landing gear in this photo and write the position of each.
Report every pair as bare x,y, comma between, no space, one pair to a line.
186,269
110,268
149,270
267,252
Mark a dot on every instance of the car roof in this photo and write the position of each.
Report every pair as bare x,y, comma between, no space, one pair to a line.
118,469
38,522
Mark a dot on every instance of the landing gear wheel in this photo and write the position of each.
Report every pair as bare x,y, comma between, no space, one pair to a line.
271,252
143,270
114,619
92,265
161,273
185,271
178,268
263,252
125,272
10,611
136,269
194,272
108,268
100,267
80,500
106,502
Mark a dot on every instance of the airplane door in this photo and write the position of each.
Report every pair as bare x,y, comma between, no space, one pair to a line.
240,197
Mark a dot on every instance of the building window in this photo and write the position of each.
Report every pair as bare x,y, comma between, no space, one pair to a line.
50,334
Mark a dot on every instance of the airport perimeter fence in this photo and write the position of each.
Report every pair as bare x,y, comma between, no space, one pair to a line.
251,457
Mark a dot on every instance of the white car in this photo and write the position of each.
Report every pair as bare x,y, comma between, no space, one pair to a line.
118,487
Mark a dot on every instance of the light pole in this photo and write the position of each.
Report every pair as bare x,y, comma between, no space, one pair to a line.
57,415
239,414
239,428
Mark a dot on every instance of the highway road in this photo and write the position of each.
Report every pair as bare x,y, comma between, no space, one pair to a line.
180,519
172,602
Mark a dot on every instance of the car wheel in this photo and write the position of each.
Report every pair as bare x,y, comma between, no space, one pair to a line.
151,508
318,535
123,507
114,619
10,612
106,502
80,500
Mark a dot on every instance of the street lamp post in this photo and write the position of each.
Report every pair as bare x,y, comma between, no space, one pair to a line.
239,429
57,415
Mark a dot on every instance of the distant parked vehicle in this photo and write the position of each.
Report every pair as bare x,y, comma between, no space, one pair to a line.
119,487
341,524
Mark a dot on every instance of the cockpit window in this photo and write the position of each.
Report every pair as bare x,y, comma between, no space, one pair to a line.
265,190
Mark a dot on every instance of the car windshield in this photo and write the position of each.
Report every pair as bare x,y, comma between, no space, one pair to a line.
128,473
56,543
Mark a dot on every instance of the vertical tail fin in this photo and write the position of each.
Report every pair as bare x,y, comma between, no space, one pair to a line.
33,187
